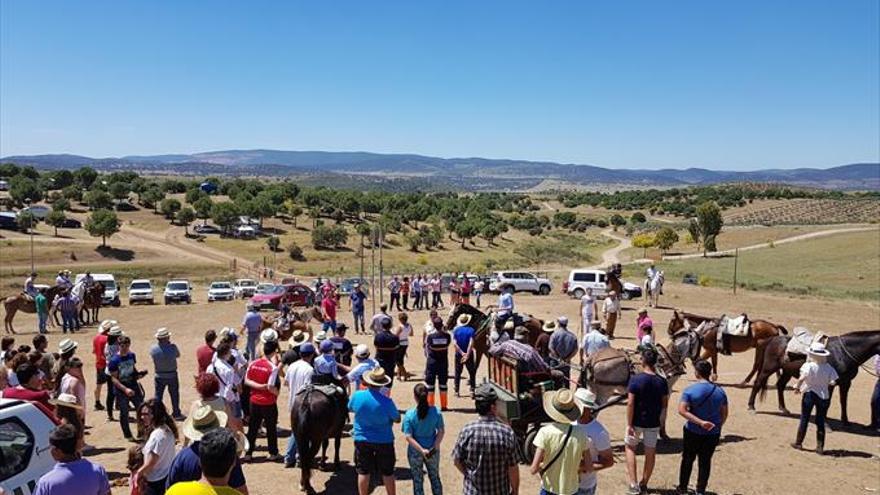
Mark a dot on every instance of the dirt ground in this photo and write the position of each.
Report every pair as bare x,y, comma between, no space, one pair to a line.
754,458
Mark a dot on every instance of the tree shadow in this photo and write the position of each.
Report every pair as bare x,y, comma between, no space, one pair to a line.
115,253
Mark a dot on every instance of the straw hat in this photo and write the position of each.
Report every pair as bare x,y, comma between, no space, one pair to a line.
66,400
361,351
549,327
320,337
115,331
818,349
205,419
561,406
106,325
377,377
67,345
297,338
643,311
163,333
464,320
585,398
268,335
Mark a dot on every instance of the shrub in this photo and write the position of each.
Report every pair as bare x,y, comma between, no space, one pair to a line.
704,281
295,252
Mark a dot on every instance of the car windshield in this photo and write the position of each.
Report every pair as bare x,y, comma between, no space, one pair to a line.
264,288
140,285
278,289
220,285
177,286
111,285
247,283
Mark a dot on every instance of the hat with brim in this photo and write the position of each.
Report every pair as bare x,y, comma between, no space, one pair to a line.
163,333
67,345
549,327
268,335
561,406
586,398
203,420
115,331
818,349
377,378
464,319
361,351
320,337
521,333
643,311
508,325
298,338
66,400
106,325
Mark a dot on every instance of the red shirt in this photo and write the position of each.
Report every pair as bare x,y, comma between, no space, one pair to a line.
38,396
98,345
261,371
204,355
328,304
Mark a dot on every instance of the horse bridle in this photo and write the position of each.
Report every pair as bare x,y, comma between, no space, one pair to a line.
860,365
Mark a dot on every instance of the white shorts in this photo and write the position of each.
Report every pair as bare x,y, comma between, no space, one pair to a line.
648,436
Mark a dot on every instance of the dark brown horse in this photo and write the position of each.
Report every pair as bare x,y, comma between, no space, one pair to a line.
848,352
91,304
20,302
483,323
612,281
759,332
315,419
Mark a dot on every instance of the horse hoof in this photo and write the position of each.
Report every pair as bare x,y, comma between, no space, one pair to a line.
785,411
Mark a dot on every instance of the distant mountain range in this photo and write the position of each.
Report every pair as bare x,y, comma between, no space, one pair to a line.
479,173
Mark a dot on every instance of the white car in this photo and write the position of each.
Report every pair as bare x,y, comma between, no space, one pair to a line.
579,280
140,290
520,282
244,287
24,443
111,290
178,291
220,291
40,212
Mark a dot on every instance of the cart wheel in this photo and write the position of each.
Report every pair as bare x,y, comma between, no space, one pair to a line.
527,448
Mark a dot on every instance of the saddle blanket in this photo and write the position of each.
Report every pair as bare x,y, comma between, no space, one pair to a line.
738,326
801,340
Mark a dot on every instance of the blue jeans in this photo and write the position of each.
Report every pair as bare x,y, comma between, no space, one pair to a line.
251,346
587,491
42,317
809,401
290,455
69,321
359,325
124,404
173,390
432,464
329,325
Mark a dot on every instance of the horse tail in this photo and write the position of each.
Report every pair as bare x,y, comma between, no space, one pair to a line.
782,329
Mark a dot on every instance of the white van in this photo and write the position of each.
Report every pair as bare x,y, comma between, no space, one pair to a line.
24,445
581,279
111,290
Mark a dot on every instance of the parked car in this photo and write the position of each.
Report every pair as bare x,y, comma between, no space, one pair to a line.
71,223
292,294
8,220
220,291
245,232
40,212
244,287
178,291
24,444
140,290
111,290
4,185
690,278
263,288
581,279
521,282
206,229
346,287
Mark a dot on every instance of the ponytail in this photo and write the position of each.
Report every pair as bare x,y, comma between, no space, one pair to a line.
422,407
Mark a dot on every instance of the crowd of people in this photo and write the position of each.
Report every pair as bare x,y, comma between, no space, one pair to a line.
202,452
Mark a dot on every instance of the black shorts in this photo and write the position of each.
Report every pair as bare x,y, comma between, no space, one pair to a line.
401,354
372,457
101,377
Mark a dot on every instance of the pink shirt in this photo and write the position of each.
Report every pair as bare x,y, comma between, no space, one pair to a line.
642,323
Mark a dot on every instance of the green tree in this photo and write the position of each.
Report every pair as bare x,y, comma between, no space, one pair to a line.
151,198
324,236
694,232
169,206
194,194
85,177
72,193
295,251
98,200
273,242
22,189
710,222
489,231
413,240
203,207
638,217
119,190
56,219
225,215
665,238
295,211
466,230
102,223
25,220
186,216
61,204
617,220
643,241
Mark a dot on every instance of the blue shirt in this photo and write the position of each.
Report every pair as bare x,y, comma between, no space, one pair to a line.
165,359
186,466
357,300
705,400
505,303
649,391
80,476
373,415
253,322
463,337
325,364
423,431
125,366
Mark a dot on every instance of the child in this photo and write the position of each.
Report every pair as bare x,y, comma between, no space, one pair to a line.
135,462
404,332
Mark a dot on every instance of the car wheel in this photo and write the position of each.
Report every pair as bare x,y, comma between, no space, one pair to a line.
544,290
189,300
167,302
626,296
130,303
578,293
117,303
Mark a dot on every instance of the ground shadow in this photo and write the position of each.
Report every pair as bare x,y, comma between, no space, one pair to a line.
115,253
848,453
102,450
341,249
675,445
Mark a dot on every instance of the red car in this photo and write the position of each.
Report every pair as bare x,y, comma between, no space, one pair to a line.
292,294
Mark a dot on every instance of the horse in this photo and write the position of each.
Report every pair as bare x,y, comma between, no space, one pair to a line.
21,302
285,328
848,352
654,287
92,300
759,332
315,419
483,324
612,280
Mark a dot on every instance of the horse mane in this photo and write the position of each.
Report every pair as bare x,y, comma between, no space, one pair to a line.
862,333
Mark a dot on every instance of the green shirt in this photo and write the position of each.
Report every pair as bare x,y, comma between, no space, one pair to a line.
40,301
563,477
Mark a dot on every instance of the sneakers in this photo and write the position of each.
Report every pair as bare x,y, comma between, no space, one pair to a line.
99,406
634,490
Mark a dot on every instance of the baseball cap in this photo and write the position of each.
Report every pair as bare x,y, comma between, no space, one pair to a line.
306,349
485,393
326,346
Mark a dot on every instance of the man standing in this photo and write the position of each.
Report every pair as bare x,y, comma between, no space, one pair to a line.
704,406
593,342
99,345
436,286
386,344
610,312
253,325
374,415
46,363
647,396
342,347
165,354
328,311
563,346
218,457
588,309
67,305
223,365
464,353
485,451
505,307
601,456
415,288
379,318
356,304
562,450
478,290
298,375
394,288
124,376
71,473
205,352
465,289
437,368
42,307
262,379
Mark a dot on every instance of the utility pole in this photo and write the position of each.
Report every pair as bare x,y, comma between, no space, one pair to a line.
362,258
735,267
381,265
372,271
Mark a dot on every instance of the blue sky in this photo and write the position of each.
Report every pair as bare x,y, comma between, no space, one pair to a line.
725,85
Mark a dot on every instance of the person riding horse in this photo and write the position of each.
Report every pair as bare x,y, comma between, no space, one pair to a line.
506,307
30,290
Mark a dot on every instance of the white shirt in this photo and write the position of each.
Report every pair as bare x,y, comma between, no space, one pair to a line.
376,322
299,373
161,445
816,377
651,272
505,304
354,376
594,341
228,378
405,332
478,286
610,305
599,441
647,340
587,302
429,327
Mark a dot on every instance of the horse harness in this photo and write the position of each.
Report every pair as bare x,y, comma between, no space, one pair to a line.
860,365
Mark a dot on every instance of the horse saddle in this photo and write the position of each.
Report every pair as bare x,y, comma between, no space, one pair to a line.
800,342
617,362
330,390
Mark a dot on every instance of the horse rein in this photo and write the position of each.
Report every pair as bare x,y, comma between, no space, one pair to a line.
861,365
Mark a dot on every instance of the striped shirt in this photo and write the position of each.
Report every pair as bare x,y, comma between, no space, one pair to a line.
68,304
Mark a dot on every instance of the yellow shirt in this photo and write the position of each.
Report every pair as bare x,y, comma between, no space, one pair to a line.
562,478
196,488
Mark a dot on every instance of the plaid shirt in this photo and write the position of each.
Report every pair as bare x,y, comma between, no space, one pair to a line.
486,448
67,304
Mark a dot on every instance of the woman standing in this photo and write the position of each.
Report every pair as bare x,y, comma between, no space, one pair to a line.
423,429
158,450
404,293
404,332
73,382
816,376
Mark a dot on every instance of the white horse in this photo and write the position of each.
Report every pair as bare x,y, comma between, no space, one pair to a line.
655,288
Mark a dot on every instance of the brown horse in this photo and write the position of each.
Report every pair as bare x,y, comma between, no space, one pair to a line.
21,302
295,321
484,323
315,419
759,332
91,304
848,352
